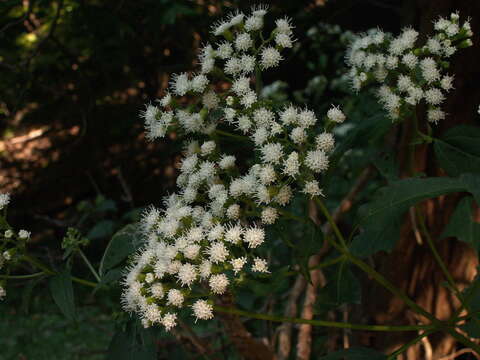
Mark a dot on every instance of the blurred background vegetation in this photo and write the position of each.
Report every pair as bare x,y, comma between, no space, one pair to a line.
74,76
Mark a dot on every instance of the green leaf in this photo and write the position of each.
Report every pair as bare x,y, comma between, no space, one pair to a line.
462,224
471,296
62,293
355,353
343,287
459,150
101,230
123,243
382,217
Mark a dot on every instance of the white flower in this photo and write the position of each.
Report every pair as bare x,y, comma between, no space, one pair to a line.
270,57
311,188
199,83
254,236
247,63
180,84
216,232
165,100
238,264
175,297
260,265
24,234
434,96
218,252
291,165
224,50
429,70
202,310
157,291
210,100
325,141
187,274
227,162
269,215
169,321
435,115
152,313
233,211
233,66
410,60
283,40
220,27
434,46
307,118
241,86
260,136
205,269
272,153
149,278
244,123
263,117
248,99
253,23
284,26
6,255
284,195
207,147
234,234
218,283
243,42
447,83
298,135
8,234
236,18
317,160
336,115
289,115
191,251
267,175
259,10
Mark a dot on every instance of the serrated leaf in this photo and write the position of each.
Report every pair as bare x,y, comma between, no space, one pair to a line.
355,353
62,292
123,243
382,217
462,224
459,150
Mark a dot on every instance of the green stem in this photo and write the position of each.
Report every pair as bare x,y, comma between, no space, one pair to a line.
48,271
320,266
437,256
227,134
334,324
405,346
21,277
369,270
94,272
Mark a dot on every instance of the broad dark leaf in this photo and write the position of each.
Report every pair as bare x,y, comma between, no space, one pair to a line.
122,244
62,292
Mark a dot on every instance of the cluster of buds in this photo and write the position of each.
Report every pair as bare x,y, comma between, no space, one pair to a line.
206,237
409,73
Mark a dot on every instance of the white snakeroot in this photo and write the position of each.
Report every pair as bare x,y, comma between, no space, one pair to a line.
187,274
311,188
24,234
270,57
336,115
254,236
202,310
180,84
317,160
254,23
243,42
218,252
269,215
272,153
227,162
260,265
298,135
291,165
233,211
169,321
175,297
4,200
218,283
238,264
325,141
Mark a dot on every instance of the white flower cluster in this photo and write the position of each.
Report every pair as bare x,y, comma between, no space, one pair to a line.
4,200
209,230
408,73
